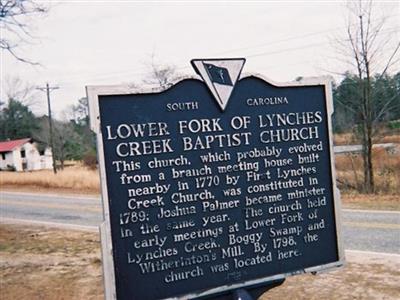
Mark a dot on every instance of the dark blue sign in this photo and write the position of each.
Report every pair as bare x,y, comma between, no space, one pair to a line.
203,201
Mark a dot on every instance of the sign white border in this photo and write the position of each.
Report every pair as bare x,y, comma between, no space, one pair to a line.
93,93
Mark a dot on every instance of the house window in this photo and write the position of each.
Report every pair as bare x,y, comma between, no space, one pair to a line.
23,154
3,156
41,152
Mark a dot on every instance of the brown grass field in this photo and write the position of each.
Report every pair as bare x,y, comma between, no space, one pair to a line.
390,139
343,139
349,172
383,135
76,179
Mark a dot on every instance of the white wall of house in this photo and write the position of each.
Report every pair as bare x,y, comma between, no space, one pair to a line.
27,157
6,159
47,159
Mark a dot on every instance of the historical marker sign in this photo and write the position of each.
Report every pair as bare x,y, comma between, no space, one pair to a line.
215,183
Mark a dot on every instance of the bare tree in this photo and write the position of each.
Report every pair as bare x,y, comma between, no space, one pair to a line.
65,138
21,91
15,24
160,75
79,113
369,50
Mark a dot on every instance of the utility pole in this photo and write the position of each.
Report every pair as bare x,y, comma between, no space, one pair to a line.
48,89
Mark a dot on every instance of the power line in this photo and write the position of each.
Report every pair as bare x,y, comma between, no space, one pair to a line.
293,38
273,52
185,66
140,72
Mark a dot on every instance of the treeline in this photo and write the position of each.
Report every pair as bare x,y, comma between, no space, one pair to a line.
73,139
384,98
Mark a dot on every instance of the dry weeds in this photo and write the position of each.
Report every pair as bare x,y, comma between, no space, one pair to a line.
38,263
390,139
374,202
344,139
350,175
77,178
383,135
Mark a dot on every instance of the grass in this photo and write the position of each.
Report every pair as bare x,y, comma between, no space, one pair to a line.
38,263
74,178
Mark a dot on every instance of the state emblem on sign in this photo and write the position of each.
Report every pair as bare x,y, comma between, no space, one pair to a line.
220,76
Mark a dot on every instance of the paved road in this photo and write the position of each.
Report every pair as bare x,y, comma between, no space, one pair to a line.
362,230
371,230
51,208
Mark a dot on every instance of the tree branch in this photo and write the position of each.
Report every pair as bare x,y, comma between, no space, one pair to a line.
13,20
390,60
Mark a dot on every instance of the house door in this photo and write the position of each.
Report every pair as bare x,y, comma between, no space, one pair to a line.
24,166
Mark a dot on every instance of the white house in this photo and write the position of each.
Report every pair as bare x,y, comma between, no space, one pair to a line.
24,155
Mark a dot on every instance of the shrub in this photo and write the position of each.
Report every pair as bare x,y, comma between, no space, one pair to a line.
90,160
395,124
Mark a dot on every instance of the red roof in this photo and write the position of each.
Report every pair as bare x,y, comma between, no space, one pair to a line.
8,146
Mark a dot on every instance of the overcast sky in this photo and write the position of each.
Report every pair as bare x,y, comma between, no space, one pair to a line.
111,42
